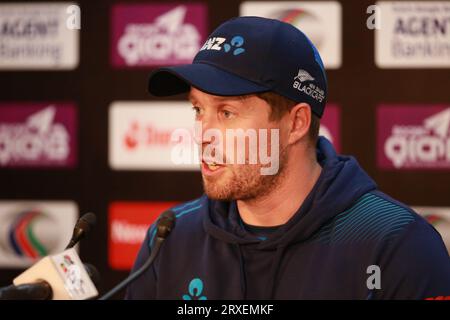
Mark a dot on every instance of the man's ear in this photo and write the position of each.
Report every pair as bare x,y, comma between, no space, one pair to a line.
300,121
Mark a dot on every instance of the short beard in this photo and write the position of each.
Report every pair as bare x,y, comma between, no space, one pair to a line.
246,183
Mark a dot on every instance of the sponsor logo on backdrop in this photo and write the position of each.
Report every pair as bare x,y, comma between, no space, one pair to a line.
36,36
413,137
320,21
30,230
38,135
128,224
439,217
141,135
330,125
413,34
157,34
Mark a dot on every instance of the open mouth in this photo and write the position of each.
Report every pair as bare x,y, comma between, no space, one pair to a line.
211,167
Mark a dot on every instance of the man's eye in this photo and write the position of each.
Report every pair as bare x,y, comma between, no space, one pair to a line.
227,114
196,110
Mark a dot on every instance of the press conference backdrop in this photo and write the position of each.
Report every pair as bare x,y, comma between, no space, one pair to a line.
79,133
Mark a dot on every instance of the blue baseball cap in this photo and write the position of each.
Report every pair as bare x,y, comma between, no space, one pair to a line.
248,55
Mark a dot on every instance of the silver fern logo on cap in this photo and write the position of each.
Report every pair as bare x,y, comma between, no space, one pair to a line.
303,76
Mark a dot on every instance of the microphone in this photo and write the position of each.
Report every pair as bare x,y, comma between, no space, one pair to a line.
164,226
82,227
64,274
40,290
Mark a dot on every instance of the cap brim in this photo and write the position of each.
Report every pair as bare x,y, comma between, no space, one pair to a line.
207,78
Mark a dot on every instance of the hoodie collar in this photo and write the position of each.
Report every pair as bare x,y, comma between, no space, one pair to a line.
341,182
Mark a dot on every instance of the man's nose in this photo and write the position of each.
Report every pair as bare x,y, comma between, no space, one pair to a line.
203,129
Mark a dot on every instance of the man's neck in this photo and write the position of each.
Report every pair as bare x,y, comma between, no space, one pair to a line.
282,203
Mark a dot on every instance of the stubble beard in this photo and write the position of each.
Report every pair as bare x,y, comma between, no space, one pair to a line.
244,182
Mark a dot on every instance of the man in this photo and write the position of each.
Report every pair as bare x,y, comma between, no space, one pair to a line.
317,228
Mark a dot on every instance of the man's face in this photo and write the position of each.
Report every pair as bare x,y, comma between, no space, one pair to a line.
226,179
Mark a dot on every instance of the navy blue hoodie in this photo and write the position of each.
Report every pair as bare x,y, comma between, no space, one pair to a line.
348,240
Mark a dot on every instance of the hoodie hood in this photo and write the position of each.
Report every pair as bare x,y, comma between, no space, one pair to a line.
341,182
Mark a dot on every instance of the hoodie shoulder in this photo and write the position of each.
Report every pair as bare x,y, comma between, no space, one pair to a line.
373,217
188,216
188,209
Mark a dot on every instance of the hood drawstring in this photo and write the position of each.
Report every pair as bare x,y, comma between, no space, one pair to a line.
242,272
270,288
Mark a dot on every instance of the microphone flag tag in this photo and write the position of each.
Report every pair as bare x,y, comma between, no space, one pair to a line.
65,273
76,280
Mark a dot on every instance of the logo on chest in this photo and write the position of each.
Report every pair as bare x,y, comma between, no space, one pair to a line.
195,290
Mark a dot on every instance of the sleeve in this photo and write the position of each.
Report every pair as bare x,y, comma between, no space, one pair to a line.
416,265
144,287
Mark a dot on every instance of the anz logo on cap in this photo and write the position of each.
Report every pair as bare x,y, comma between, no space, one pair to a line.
218,43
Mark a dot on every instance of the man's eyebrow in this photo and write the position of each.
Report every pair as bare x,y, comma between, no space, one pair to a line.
220,99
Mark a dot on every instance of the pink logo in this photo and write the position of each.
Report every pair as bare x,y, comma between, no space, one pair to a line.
330,125
38,135
156,34
413,137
